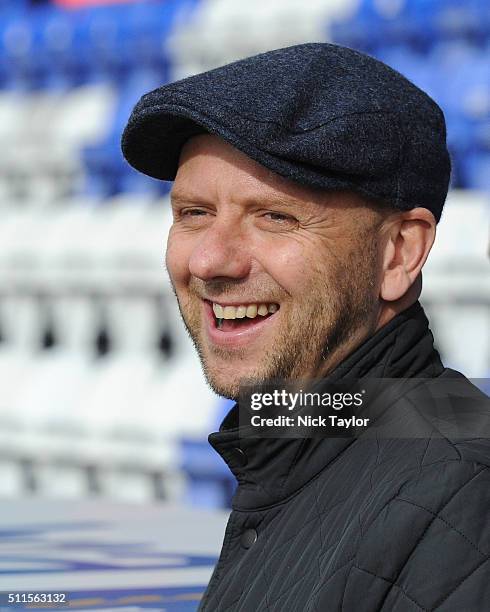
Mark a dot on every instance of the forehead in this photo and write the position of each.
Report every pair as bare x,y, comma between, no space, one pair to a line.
208,163
212,170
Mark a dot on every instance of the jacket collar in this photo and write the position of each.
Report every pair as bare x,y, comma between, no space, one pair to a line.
270,470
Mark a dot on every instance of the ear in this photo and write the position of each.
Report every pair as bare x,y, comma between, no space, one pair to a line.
410,236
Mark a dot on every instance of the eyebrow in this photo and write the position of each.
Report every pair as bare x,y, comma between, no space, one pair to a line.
179,198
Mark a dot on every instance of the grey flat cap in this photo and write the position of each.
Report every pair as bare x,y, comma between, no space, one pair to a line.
319,114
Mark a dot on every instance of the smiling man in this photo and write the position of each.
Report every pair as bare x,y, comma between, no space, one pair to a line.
308,185
259,264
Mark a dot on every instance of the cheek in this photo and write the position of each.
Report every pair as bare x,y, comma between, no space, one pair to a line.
290,265
177,257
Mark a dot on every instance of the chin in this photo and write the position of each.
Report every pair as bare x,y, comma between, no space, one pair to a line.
226,375
225,388
225,382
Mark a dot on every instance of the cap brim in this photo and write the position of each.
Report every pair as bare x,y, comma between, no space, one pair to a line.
152,142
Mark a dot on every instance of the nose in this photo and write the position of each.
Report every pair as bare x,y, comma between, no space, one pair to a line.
222,251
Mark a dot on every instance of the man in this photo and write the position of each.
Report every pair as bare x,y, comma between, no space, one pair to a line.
308,184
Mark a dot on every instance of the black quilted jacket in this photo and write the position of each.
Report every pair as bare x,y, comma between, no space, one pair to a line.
359,525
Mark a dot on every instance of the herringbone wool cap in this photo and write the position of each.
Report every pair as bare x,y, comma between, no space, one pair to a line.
319,114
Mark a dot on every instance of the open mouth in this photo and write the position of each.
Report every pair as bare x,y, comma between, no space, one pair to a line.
228,318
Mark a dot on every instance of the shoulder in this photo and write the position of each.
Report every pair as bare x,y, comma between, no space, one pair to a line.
458,412
429,546
425,542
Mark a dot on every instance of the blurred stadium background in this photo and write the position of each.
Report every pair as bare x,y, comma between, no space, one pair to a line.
101,394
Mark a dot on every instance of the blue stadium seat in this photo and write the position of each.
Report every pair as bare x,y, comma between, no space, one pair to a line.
374,24
49,34
466,94
13,6
224,406
418,23
104,44
56,44
5,66
401,57
34,46
476,171
120,39
107,172
145,28
450,18
138,83
15,49
210,482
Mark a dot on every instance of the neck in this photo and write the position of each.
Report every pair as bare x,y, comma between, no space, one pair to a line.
332,360
389,310
385,313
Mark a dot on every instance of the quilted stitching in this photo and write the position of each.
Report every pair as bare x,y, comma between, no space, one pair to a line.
321,544
392,585
436,515
270,551
463,580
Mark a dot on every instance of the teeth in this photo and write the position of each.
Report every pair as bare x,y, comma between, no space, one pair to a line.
239,312
229,312
218,311
252,311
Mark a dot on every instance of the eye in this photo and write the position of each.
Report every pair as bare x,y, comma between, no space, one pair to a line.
191,216
279,220
193,212
274,216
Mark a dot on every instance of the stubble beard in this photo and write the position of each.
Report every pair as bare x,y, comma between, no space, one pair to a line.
338,309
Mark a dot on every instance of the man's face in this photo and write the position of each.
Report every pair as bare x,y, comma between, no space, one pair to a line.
245,240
